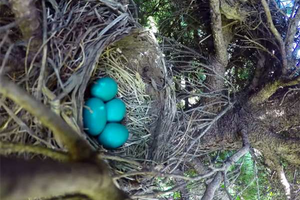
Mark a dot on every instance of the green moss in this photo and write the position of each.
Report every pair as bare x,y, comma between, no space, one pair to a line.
232,12
266,92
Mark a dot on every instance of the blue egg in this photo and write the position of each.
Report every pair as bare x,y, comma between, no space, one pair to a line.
104,88
113,136
94,116
116,110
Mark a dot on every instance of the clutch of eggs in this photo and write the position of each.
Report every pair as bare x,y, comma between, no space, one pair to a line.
103,112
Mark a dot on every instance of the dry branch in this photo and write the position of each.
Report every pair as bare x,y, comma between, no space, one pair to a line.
78,148
9,148
215,183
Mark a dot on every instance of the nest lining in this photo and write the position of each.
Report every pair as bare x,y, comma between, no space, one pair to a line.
132,90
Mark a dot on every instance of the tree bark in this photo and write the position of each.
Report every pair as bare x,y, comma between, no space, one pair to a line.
273,127
21,179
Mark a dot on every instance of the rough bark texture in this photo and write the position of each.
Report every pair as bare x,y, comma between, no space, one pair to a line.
216,26
22,179
273,128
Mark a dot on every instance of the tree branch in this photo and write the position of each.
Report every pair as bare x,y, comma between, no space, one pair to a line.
9,148
268,90
22,179
216,27
79,149
285,183
277,36
215,183
290,35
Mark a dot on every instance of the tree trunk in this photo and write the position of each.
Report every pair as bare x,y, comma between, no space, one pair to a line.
273,128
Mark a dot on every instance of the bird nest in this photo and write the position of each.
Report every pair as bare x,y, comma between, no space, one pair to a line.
87,40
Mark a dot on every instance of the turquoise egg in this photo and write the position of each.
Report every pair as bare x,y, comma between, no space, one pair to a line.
94,116
116,110
104,88
113,136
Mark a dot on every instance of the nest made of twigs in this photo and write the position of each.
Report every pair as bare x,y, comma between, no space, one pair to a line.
135,62
86,40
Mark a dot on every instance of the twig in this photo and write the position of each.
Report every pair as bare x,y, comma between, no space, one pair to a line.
204,132
44,58
9,148
152,195
5,59
278,9
290,90
152,173
257,180
116,158
214,184
225,186
21,123
10,25
260,46
78,147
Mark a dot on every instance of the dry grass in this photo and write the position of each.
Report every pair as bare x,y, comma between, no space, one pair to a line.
132,90
87,40
77,50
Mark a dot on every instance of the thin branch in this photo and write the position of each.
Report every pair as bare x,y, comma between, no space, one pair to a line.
259,46
225,186
5,59
116,158
152,174
214,184
277,36
204,132
9,148
44,58
156,194
77,146
21,124
10,25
